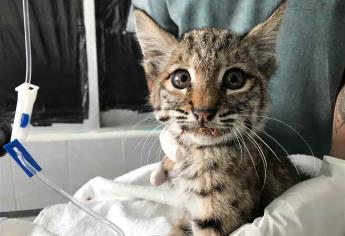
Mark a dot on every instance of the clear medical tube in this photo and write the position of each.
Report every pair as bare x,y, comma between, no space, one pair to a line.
60,191
27,41
81,206
39,175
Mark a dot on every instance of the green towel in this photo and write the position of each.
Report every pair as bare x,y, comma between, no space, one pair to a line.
311,57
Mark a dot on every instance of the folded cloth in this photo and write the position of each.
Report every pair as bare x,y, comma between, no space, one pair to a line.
315,207
129,201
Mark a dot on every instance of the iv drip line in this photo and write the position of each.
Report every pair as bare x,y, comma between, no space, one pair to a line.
57,189
27,41
23,113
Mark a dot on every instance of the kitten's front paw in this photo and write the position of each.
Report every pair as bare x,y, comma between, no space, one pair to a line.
158,177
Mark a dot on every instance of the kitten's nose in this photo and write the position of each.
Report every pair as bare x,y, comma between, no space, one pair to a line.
204,115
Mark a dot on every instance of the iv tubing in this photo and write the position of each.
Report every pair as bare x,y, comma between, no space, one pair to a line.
77,203
27,41
25,163
91,212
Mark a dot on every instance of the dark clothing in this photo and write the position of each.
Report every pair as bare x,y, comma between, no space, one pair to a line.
311,57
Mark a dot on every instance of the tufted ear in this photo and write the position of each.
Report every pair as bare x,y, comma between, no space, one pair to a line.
261,41
156,44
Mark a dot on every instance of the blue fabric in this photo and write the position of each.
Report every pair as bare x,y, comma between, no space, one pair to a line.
311,56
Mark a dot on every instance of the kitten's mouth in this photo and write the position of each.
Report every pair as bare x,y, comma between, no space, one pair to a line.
208,131
205,131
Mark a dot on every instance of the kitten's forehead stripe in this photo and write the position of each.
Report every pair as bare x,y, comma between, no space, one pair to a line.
207,43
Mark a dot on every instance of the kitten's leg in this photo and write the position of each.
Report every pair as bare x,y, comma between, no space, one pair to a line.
181,227
167,164
159,175
206,227
218,222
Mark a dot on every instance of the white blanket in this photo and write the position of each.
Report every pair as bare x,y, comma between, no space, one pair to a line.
130,201
141,209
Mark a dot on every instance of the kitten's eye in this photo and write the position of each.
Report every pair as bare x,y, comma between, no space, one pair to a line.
180,79
234,79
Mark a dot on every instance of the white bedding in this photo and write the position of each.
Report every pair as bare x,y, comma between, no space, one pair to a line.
117,201
141,209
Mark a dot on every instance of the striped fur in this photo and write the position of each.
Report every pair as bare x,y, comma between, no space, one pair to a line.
222,179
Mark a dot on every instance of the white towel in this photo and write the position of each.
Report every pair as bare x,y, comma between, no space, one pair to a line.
141,209
129,201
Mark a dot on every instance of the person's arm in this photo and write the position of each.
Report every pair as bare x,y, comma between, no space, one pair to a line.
312,207
338,140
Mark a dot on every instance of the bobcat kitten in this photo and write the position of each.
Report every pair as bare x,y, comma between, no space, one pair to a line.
210,88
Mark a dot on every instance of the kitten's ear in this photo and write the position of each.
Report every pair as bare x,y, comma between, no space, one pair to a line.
261,41
156,44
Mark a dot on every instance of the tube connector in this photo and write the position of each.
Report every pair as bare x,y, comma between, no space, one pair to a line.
27,94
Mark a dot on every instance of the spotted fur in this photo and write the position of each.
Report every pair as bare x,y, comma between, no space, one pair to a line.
227,174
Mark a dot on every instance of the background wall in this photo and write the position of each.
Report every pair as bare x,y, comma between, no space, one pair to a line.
71,154
70,160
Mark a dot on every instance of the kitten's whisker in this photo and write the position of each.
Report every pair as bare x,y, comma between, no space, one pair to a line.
159,149
124,140
270,136
293,129
158,154
261,140
240,146
147,117
126,137
250,155
261,153
146,139
151,148
287,125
